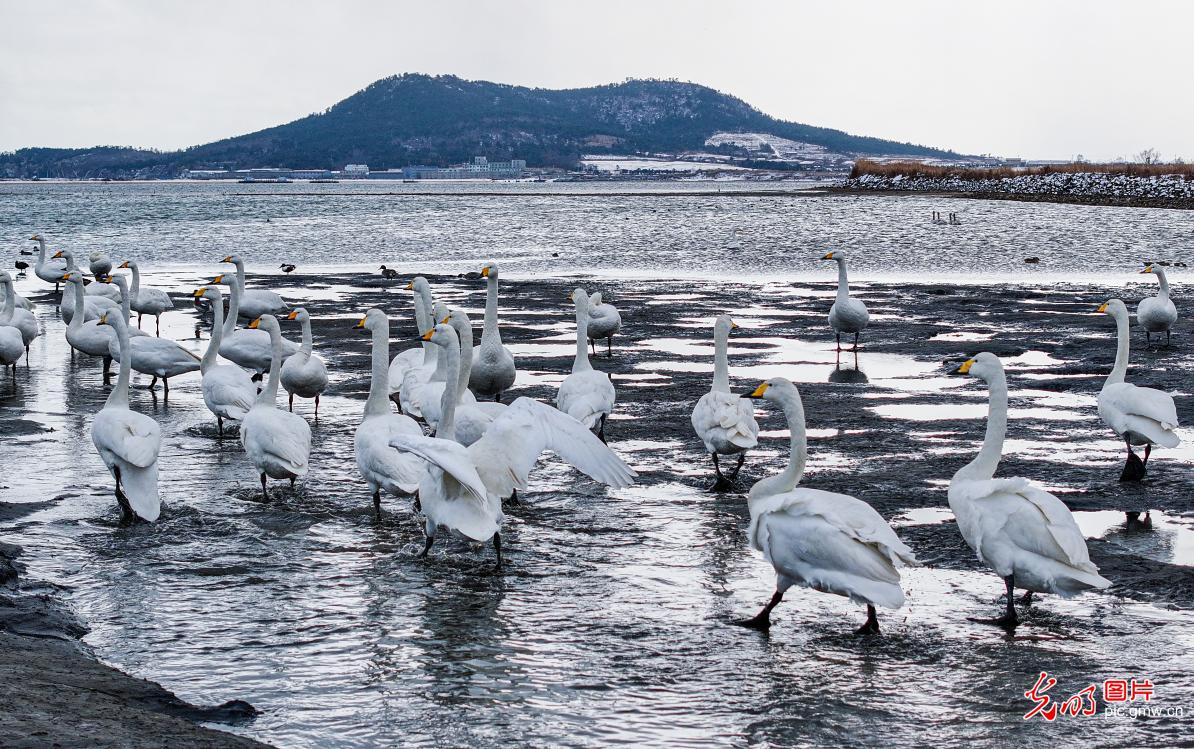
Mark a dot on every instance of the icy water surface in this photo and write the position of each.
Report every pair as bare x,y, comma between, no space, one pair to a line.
707,229
610,625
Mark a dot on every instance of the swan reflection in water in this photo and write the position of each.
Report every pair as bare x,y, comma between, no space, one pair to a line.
850,375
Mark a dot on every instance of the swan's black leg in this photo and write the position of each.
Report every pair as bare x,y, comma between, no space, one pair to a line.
609,347
427,547
264,491
1166,339
738,467
126,509
855,342
762,620
138,321
165,387
377,503
871,626
601,429
1148,339
317,406
397,401
839,341
292,482
153,383
1133,467
1009,620
292,402
497,548
721,484
157,326
220,424
1148,448
513,499
107,368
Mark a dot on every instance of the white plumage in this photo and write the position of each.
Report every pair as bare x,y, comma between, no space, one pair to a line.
724,421
254,302
10,314
414,394
278,443
847,315
586,395
227,390
1025,534
128,442
604,322
304,374
829,542
418,357
1157,314
49,270
493,370
147,300
159,357
250,348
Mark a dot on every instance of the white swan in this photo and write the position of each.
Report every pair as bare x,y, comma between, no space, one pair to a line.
724,421
94,304
19,318
847,315
227,390
829,542
418,357
604,322
473,417
87,337
254,302
417,379
250,348
99,288
431,396
147,301
277,442
1139,415
383,468
463,488
1156,314
1027,535
160,358
12,342
493,370
587,394
99,264
127,441
304,374
48,270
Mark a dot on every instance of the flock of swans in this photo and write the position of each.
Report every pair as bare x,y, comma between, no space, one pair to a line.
473,453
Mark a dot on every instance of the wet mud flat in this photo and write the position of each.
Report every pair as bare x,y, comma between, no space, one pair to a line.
610,625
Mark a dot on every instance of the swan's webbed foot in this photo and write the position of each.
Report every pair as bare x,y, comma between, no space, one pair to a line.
497,548
1009,620
264,491
427,547
871,625
377,504
762,620
1026,599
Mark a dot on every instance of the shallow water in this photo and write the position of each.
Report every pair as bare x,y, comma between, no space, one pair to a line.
610,624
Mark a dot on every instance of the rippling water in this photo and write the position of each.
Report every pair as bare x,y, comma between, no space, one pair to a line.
695,227
609,625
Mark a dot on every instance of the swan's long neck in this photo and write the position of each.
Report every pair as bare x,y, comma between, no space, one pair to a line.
136,279
233,309
240,273
984,464
797,453
379,385
466,359
441,368
126,304
581,362
217,335
119,397
1164,281
9,303
843,285
423,313
269,396
41,252
1120,370
446,429
491,333
76,320
308,343
721,359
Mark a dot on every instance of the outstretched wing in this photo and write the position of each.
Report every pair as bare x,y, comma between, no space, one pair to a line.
450,457
515,440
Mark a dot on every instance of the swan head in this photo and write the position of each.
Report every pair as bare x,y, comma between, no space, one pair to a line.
231,259
117,280
460,322
128,264
579,297
265,322
777,390
57,255
1114,307
299,314
36,238
374,319
838,255
440,312
211,293
222,279
985,366
595,299
4,277
725,323
490,270
72,277
442,335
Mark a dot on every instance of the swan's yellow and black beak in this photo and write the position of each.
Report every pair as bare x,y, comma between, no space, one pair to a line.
733,325
227,259
410,285
65,276
254,325
218,279
758,392
105,279
360,324
1102,307
427,336
56,255
35,237
445,320
293,314
200,292
125,264
965,368
103,319
828,256
485,272
1149,269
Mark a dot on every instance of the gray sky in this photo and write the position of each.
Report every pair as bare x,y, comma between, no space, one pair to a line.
1041,79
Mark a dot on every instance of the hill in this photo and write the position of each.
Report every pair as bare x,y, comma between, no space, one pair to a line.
439,120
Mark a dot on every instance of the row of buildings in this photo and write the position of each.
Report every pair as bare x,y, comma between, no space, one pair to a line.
479,168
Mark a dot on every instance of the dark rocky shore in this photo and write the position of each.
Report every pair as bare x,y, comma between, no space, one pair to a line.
56,693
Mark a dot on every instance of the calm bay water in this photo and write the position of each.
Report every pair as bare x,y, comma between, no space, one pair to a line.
610,625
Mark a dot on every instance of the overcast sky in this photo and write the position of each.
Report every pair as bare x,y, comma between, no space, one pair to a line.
1039,79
